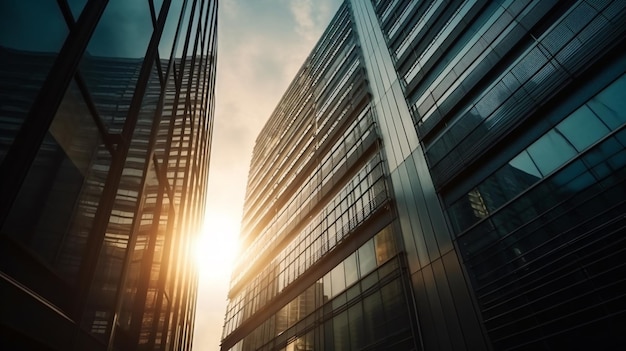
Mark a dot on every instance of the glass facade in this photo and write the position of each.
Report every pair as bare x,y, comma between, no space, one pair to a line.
320,240
489,148
105,129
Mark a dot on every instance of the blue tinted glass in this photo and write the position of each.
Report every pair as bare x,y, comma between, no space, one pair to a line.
35,25
550,151
159,3
169,30
76,6
582,128
610,104
31,35
113,59
522,162
123,31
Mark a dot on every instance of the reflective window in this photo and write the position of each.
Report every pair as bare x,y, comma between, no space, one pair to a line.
116,37
31,35
385,245
54,209
523,162
166,45
337,276
367,257
550,151
352,273
76,6
610,104
582,128
113,59
574,134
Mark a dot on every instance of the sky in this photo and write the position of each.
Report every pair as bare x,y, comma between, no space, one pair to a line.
261,46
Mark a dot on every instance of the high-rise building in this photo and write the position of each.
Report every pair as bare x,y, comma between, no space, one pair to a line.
442,175
106,114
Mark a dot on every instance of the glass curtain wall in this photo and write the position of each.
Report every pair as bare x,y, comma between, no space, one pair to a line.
105,122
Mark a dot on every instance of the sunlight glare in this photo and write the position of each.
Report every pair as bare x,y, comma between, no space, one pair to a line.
217,246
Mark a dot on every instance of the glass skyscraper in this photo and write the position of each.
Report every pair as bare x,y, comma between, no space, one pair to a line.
106,114
442,175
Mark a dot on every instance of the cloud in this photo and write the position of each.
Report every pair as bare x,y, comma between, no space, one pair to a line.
302,11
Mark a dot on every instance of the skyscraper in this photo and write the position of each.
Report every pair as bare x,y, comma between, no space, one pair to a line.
106,114
442,175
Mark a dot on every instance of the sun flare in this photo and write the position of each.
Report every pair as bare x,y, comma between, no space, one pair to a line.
217,246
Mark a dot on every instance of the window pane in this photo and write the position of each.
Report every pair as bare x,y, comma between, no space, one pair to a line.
351,270
550,151
582,128
384,245
338,278
31,35
113,59
341,334
523,163
76,6
367,258
610,104
53,212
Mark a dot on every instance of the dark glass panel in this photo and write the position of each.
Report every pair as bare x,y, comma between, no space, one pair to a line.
166,44
55,207
341,332
76,6
610,104
338,279
107,278
550,151
582,128
31,35
113,59
357,328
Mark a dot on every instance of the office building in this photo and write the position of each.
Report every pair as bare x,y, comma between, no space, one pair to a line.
106,114
442,175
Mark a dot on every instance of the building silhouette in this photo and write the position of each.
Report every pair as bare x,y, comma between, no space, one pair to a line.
106,113
442,175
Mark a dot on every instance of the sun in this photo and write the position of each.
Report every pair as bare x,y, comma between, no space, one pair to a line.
216,247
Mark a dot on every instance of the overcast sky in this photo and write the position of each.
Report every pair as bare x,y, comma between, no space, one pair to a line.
261,46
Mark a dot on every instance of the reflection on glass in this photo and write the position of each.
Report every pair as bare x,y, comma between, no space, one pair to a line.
108,275
385,245
31,35
338,279
76,6
34,25
573,135
523,163
113,59
169,30
116,36
53,212
582,128
550,151
610,104
367,258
